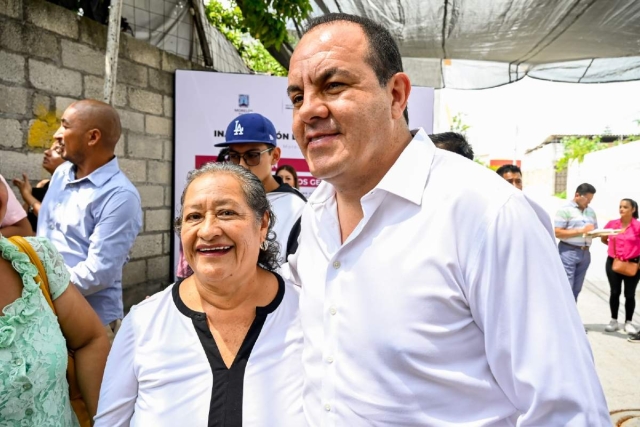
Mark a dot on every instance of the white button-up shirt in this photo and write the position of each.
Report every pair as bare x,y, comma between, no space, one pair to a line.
447,305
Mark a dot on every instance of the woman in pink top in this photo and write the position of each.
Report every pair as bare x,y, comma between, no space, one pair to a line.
626,247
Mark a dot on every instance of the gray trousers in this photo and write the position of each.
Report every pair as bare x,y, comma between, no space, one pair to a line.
576,262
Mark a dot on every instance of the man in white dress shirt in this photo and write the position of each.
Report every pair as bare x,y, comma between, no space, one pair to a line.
431,294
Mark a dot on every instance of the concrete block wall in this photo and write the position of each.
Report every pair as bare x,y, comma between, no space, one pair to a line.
50,57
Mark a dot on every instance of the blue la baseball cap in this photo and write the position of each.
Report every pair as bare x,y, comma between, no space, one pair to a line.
248,128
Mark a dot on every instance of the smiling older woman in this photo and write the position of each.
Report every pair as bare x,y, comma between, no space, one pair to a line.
222,347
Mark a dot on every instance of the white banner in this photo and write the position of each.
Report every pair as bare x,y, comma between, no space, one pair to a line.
206,102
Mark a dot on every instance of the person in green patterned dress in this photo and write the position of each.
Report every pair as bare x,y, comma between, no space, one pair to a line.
33,343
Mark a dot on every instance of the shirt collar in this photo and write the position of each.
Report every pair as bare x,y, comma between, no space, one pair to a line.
408,175
99,176
406,178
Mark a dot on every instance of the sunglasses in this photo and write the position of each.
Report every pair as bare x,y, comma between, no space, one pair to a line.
251,158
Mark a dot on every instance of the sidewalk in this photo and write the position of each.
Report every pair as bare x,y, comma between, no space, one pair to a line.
617,360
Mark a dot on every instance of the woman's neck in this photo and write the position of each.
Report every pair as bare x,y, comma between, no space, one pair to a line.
625,221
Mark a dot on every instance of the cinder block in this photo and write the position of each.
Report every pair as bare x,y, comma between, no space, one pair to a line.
82,58
62,104
168,199
161,80
40,43
12,8
144,147
158,268
11,67
132,74
168,106
13,100
54,79
93,33
11,132
134,272
151,195
53,18
171,63
159,172
157,220
13,164
145,101
166,242
147,245
94,89
40,105
135,170
158,126
120,146
131,121
168,150
141,52
11,34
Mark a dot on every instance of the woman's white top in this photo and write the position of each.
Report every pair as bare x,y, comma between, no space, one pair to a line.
165,369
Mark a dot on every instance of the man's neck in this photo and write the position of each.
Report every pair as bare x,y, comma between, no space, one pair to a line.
270,184
88,167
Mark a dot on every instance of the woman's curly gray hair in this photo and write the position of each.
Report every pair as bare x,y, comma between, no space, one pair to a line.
255,197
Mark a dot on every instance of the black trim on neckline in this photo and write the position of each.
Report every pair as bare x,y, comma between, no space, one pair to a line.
227,391
267,309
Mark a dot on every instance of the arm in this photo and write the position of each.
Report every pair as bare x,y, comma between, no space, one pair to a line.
109,244
605,240
86,336
20,228
26,192
519,297
563,233
120,383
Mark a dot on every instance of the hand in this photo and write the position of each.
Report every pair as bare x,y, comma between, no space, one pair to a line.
24,186
587,228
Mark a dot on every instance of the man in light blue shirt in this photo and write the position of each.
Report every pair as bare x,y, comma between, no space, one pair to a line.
92,213
572,222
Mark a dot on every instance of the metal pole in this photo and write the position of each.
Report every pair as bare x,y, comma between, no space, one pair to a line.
111,58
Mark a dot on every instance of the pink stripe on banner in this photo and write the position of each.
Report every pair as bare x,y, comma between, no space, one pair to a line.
300,165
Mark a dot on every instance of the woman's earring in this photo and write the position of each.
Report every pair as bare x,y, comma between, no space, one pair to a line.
264,245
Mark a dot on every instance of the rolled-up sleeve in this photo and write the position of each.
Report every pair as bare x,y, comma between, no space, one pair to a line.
113,236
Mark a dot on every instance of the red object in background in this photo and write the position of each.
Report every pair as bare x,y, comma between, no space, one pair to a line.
500,162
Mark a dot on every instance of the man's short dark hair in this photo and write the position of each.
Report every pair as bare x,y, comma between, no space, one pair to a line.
454,142
508,169
384,54
585,188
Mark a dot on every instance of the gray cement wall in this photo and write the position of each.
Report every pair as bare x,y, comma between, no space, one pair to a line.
50,57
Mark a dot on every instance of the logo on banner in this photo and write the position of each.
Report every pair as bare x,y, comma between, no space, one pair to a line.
243,101
239,130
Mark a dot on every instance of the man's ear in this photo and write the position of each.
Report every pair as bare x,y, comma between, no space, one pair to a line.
94,137
399,87
275,155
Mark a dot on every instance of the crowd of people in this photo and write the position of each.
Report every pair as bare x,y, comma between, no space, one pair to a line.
402,291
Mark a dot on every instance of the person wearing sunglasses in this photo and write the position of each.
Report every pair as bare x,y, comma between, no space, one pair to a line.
252,143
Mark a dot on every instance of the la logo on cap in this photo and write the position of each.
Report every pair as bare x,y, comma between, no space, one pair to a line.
238,130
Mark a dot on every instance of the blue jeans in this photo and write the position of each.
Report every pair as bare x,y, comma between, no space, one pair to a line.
576,262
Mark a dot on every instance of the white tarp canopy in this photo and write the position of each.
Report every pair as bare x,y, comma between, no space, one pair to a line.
473,44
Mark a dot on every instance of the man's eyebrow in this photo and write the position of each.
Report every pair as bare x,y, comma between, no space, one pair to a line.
324,76
293,88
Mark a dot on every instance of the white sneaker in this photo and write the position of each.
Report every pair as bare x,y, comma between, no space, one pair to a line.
612,326
629,328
